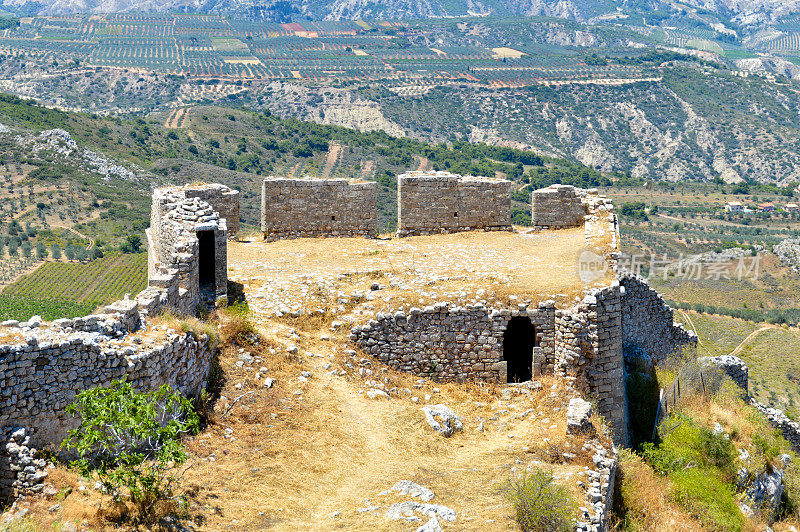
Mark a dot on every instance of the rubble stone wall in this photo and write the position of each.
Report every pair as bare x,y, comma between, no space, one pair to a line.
21,472
299,208
441,202
40,376
648,322
451,343
177,216
224,200
557,206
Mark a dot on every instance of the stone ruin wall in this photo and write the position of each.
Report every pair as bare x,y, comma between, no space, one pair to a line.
41,375
45,366
177,215
648,322
559,206
451,343
224,200
310,208
589,354
441,202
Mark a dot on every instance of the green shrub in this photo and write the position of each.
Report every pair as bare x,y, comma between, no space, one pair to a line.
540,504
686,445
131,440
707,498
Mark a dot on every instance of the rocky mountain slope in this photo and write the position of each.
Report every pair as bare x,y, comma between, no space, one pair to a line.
725,12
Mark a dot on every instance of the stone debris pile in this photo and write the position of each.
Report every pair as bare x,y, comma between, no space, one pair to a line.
21,472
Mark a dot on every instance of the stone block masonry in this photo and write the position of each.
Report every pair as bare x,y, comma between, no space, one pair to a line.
648,322
187,248
588,339
557,207
40,375
441,202
300,208
452,343
224,200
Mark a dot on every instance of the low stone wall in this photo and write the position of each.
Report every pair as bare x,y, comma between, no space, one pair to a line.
733,367
445,342
41,375
557,207
790,429
299,208
441,202
648,322
600,492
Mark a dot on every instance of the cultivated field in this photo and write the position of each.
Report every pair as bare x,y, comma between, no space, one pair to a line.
76,288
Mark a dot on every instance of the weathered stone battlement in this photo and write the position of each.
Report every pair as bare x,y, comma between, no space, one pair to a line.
43,366
558,206
224,200
441,202
187,249
299,208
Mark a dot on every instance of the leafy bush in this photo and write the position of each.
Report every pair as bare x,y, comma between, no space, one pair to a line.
540,504
132,440
701,467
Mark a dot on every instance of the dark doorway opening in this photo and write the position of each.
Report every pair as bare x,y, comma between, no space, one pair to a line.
518,343
206,258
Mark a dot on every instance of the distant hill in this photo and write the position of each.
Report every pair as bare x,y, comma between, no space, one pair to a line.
724,15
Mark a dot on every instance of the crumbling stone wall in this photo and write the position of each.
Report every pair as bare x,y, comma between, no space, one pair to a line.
648,322
176,220
299,208
21,471
557,207
589,354
734,367
224,200
449,343
40,375
441,202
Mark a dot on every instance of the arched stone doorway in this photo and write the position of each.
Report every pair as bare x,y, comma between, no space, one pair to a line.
518,343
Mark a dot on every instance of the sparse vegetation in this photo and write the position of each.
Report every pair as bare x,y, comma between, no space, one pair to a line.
540,504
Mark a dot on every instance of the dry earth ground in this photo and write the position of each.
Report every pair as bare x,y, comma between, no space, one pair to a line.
318,449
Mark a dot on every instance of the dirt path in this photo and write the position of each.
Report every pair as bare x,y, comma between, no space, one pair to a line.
367,168
175,118
333,156
423,163
738,348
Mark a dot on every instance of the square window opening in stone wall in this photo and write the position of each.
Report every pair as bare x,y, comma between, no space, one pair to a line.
455,215
519,339
206,263
333,218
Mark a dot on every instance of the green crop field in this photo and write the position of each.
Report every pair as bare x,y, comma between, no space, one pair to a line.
22,308
62,288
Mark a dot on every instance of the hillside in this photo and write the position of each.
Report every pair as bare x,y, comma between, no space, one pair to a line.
679,102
